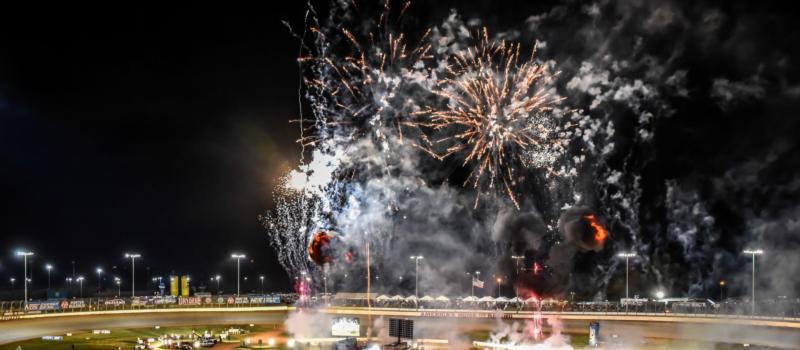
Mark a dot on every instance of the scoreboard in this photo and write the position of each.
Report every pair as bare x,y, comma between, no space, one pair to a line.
402,329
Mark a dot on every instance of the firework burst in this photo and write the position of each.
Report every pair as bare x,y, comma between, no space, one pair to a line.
498,115
357,84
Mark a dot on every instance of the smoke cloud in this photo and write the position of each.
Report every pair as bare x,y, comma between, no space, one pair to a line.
674,142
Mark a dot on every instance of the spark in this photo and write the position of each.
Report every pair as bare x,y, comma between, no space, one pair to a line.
499,109
357,82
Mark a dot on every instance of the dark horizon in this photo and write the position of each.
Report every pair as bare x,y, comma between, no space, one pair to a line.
160,132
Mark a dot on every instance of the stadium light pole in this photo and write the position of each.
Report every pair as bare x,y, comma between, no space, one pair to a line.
721,289
238,258
262,283
416,259
99,271
119,285
478,277
499,283
217,278
471,283
516,258
25,256
753,253
80,280
133,257
12,280
48,267
627,257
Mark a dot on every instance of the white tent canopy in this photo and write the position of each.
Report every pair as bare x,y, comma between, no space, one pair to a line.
501,300
549,301
442,298
411,298
398,297
486,299
470,299
426,298
515,300
382,298
532,300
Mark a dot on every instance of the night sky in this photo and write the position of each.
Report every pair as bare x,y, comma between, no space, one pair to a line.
163,130
154,130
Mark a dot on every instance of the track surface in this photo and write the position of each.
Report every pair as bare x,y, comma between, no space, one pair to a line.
429,325
17,330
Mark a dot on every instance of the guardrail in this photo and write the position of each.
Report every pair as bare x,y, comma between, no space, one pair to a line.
16,309
10,310
522,314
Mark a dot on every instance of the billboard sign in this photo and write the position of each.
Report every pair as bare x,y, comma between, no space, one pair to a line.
42,306
114,302
345,327
190,300
73,304
265,300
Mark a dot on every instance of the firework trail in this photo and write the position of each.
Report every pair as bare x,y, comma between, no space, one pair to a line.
287,225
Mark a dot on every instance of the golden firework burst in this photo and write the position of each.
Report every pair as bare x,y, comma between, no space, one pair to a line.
493,114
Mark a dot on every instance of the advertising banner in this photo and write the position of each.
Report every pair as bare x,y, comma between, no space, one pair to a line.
190,301
345,327
114,302
184,286
265,300
164,300
43,306
72,304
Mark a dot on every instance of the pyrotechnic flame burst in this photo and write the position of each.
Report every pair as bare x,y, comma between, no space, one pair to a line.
600,233
498,108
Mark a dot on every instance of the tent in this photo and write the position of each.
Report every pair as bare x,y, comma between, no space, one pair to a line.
470,299
532,300
486,299
398,298
501,300
426,298
443,298
515,300
411,298
382,298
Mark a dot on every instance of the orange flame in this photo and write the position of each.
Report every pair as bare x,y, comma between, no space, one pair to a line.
600,233
317,250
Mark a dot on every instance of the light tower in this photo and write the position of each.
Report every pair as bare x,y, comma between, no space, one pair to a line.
99,271
627,257
753,253
516,258
48,267
238,258
416,259
80,280
119,285
25,256
133,257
